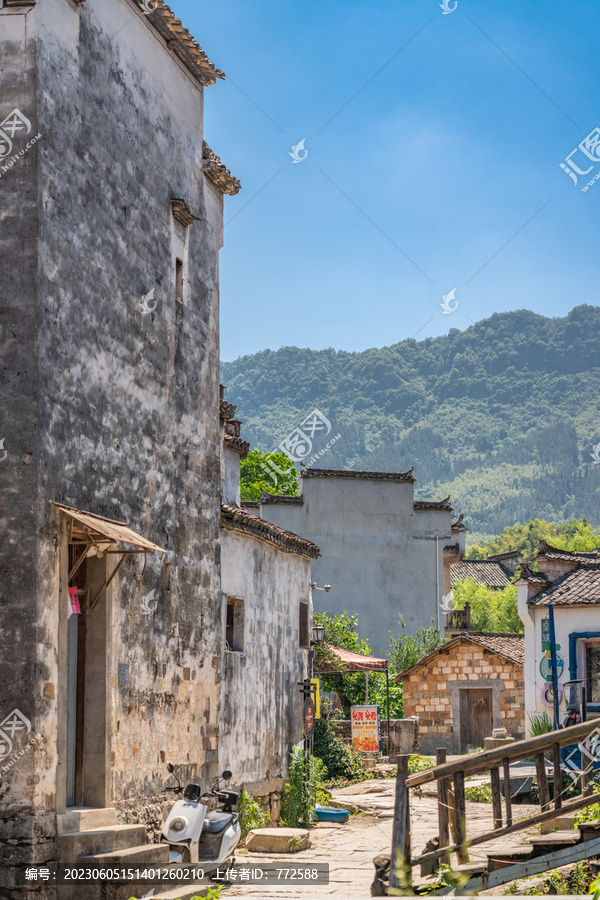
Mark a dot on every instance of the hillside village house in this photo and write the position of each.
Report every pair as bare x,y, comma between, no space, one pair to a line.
570,581
267,609
121,538
470,685
381,549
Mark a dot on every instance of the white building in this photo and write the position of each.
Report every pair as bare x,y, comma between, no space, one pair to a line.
570,582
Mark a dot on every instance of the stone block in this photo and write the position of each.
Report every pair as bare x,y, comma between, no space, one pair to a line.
277,840
560,823
490,743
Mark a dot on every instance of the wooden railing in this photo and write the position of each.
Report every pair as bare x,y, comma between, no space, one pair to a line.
450,778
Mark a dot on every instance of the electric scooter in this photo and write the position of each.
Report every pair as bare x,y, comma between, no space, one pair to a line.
194,834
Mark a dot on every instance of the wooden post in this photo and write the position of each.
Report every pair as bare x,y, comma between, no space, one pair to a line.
540,769
442,798
400,868
496,796
461,815
507,797
557,776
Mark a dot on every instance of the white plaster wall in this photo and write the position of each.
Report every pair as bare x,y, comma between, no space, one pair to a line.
378,554
566,621
261,706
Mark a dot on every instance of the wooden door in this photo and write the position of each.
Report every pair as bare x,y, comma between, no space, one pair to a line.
476,717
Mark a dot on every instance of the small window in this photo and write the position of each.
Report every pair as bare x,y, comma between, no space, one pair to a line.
304,642
179,280
234,624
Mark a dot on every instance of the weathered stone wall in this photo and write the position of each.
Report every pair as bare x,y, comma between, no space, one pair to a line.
426,694
107,409
261,705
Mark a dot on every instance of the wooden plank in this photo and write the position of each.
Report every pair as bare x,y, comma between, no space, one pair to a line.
461,816
400,868
557,776
507,797
442,799
518,826
534,866
540,769
496,797
482,762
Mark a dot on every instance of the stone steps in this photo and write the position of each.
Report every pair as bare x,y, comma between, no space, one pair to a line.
100,840
85,819
145,854
185,893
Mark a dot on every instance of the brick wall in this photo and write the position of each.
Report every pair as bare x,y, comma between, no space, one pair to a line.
426,695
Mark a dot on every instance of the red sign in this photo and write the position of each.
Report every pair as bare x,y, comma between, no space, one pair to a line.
309,717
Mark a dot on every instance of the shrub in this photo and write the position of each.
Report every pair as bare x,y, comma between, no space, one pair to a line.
540,723
340,760
300,792
480,793
251,814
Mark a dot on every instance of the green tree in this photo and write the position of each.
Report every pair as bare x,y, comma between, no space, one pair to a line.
408,649
490,610
576,534
271,472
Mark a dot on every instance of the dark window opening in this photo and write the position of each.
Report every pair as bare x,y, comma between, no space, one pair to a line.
234,624
304,641
179,280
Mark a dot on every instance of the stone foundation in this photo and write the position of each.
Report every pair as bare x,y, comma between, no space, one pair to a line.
268,794
27,839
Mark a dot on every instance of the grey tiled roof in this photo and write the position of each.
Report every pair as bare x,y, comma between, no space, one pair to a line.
180,42
239,519
491,574
509,646
308,472
549,552
580,587
433,504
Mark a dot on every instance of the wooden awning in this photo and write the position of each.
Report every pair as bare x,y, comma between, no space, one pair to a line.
98,528
356,662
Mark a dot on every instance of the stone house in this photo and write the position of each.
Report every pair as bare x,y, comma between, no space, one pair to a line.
267,608
383,552
468,686
570,582
113,615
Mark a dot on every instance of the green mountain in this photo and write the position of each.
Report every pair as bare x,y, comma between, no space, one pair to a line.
503,416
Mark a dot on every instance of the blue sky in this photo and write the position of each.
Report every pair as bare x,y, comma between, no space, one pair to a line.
449,151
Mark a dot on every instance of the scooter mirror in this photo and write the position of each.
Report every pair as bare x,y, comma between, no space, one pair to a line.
227,775
170,768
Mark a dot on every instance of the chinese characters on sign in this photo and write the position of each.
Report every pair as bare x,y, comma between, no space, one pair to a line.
578,161
365,728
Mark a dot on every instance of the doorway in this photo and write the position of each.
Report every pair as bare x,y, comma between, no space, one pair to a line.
86,745
476,716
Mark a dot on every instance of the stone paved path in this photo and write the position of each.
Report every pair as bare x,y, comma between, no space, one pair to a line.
349,849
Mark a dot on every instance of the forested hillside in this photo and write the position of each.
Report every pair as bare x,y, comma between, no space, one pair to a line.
502,416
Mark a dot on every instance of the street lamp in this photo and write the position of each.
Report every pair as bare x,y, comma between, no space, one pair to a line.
313,585
318,634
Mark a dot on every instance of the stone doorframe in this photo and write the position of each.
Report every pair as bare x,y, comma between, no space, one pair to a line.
495,684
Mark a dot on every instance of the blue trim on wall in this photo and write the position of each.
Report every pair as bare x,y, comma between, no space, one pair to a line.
573,638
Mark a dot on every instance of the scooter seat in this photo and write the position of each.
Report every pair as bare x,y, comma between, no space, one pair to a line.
216,822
